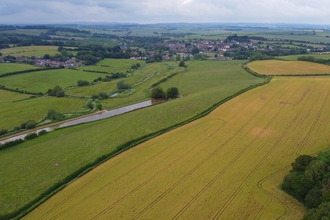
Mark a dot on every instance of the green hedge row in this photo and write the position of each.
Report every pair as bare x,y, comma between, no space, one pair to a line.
10,144
20,91
121,148
19,141
164,79
95,71
251,71
29,71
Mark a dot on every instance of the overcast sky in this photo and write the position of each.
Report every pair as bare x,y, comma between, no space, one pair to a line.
163,11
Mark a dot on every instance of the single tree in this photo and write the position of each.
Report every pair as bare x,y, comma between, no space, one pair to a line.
157,93
172,93
182,64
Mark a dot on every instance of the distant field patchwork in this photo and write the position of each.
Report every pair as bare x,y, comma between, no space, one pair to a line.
227,165
279,67
41,81
14,67
16,108
30,51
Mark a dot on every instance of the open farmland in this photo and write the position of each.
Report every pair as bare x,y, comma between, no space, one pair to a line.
74,147
30,51
14,67
279,67
226,165
41,81
141,81
17,108
324,56
112,65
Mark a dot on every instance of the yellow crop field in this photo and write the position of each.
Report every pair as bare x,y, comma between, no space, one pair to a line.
279,67
227,165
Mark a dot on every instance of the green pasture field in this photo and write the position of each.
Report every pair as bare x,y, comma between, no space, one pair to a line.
141,80
30,51
41,81
17,108
205,83
14,67
112,65
324,56
227,165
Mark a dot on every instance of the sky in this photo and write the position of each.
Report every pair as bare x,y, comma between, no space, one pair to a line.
164,11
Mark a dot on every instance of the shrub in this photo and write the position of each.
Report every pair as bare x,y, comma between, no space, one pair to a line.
172,93
31,136
42,132
182,64
121,85
83,83
30,124
54,115
103,95
3,131
157,93
90,104
57,91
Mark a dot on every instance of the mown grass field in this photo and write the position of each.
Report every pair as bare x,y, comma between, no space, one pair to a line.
324,56
227,165
14,67
279,67
41,81
30,51
112,65
77,146
16,108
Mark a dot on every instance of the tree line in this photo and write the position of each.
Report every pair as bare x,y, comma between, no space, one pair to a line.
309,182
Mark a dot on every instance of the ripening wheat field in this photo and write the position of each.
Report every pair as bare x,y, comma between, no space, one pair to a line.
279,67
227,165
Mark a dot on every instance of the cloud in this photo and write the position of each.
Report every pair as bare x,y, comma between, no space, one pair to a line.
152,11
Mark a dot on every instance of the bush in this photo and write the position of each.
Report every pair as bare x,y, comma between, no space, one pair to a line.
157,93
182,64
30,124
54,115
42,132
57,91
121,85
103,95
90,104
10,144
17,128
3,132
30,136
172,93
83,83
